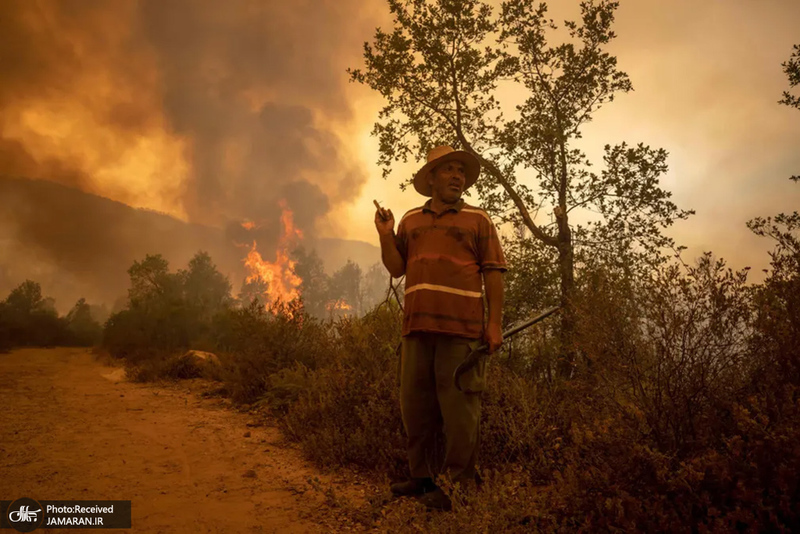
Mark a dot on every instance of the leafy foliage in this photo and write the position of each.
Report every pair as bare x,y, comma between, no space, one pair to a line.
683,412
167,312
29,319
792,70
345,285
206,290
441,70
315,289
85,330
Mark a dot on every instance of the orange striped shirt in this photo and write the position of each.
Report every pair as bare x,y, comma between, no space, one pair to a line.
445,255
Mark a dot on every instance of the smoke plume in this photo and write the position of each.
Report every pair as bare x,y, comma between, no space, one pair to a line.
207,112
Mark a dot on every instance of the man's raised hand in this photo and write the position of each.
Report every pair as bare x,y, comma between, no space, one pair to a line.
384,220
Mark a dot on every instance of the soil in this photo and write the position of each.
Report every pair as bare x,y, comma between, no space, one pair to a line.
73,428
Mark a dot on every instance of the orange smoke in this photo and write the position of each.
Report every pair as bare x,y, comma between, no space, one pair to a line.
87,110
282,282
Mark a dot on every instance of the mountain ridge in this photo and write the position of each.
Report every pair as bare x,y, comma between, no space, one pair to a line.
78,244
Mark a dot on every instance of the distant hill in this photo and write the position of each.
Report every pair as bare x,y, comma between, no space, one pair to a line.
335,253
80,245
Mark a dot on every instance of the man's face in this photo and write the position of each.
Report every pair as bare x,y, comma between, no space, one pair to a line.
447,181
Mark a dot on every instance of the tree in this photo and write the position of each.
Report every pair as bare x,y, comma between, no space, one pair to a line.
315,288
345,287
439,71
28,318
26,298
151,282
784,226
158,317
17,314
5,329
206,290
84,329
531,283
80,312
375,285
792,70
778,299
251,291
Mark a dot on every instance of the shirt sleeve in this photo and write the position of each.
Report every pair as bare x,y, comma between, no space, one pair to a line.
491,252
401,240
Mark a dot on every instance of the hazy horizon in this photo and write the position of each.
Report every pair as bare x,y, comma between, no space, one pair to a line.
215,117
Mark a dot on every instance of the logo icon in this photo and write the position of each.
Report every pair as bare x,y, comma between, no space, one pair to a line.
25,515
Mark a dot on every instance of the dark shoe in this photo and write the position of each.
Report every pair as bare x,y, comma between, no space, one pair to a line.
414,486
436,499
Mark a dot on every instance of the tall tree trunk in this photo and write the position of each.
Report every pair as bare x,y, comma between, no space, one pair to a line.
566,359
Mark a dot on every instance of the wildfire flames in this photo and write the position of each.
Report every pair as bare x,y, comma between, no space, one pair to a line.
282,282
338,305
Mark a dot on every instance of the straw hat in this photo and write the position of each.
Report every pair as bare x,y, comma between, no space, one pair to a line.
440,154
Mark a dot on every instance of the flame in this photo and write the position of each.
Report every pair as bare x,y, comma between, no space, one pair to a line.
337,305
287,219
248,225
282,282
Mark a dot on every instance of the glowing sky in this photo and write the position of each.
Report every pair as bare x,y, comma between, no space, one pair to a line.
216,115
707,77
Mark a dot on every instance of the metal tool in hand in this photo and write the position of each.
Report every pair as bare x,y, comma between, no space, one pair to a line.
478,351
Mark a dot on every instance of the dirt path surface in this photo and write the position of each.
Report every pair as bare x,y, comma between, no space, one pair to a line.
72,428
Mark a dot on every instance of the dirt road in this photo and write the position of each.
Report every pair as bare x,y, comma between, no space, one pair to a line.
71,428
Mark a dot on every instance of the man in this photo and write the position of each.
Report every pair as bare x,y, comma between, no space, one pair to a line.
444,248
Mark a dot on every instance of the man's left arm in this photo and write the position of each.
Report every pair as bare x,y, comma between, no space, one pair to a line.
493,282
493,264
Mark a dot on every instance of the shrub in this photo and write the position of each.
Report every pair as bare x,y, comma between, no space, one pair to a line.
347,413
266,341
683,412
164,367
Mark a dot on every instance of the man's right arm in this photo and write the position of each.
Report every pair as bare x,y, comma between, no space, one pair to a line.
392,259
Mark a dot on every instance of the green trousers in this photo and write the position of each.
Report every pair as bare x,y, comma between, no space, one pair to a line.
441,422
